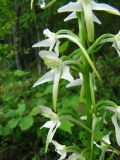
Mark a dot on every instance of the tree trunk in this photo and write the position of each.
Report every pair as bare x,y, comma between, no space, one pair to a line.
16,36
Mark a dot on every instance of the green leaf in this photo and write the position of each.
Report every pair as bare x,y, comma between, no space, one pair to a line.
20,73
21,109
13,122
26,123
50,3
64,46
66,126
35,111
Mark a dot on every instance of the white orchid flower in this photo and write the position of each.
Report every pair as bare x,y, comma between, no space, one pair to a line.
115,119
42,4
106,139
53,124
60,149
116,42
76,82
87,6
76,156
54,39
51,42
59,70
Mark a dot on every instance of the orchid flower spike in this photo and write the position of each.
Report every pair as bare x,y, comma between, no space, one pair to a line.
115,119
76,82
51,42
59,70
87,6
52,124
60,149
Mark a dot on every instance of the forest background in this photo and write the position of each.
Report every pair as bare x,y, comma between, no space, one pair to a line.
20,67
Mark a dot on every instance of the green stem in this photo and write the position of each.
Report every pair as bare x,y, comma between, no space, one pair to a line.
86,78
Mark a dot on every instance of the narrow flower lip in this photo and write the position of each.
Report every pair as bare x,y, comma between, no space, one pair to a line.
88,19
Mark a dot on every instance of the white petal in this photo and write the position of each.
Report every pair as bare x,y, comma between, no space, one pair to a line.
63,155
117,128
44,43
107,139
48,54
42,4
49,76
48,33
105,7
47,112
71,16
97,145
56,49
83,118
48,124
71,7
95,19
75,156
58,146
66,74
74,83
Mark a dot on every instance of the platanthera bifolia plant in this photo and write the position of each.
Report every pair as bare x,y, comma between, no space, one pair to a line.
100,121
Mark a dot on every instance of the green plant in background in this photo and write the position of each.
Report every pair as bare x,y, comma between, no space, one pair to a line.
95,119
